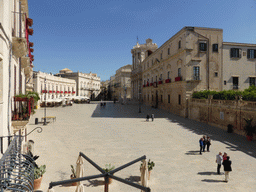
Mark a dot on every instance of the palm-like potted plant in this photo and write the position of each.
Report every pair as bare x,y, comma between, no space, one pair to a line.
151,164
38,171
73,175
108,168
249,129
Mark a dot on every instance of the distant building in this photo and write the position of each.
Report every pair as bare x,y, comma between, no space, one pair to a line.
52,87
112,87
139,53
87,84
239,65
122,83
104,90
194,59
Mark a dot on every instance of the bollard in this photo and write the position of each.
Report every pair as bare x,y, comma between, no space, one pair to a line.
36,121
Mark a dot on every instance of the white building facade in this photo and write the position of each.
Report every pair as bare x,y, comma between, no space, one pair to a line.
87,84
15,58
53,87
239,65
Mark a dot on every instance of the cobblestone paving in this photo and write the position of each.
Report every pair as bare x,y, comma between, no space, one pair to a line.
118,134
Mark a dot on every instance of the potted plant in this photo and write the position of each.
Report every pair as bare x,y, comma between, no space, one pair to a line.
249,129
38,171
108,168
73,175
38,176
151,164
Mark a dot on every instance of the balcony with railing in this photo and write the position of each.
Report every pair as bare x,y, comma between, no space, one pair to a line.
17,169
235,87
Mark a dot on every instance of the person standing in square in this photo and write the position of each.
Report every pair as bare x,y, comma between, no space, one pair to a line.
219,162
201,143
227,168
208,143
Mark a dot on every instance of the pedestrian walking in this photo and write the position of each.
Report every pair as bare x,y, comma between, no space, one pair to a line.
201,143
147,117
208,143
219,162
227,168
152,117
204,143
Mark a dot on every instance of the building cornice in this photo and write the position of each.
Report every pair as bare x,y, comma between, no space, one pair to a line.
239,44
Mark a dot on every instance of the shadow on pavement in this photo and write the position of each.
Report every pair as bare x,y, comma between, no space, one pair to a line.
95,183
233,141
133,179
207,173
192,153
213,181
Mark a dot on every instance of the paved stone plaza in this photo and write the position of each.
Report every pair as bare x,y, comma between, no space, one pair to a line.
118,134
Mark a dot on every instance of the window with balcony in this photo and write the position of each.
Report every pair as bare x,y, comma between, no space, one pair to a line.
252,81
235,81
179,72
235,53
215,48
251,53
203,46
196,73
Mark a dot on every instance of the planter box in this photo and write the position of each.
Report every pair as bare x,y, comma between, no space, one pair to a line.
160,82
19,123
151,84
167,81
177,78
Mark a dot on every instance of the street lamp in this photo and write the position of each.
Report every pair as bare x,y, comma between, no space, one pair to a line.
139,100
45,102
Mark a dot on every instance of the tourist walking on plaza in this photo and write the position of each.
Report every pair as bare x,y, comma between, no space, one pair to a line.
208,143
219,161
201,143
204,143
227,168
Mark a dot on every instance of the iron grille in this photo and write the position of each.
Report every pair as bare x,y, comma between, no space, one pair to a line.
16,169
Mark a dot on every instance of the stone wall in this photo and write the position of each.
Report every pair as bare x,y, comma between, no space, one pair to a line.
220,113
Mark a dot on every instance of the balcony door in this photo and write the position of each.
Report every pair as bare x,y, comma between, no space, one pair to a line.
235,82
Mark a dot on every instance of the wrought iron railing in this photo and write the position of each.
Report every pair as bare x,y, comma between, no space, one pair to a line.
16,169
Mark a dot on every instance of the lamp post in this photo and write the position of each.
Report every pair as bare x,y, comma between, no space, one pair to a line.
45,102
139,99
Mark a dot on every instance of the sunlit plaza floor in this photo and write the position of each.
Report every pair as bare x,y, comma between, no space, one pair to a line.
118,134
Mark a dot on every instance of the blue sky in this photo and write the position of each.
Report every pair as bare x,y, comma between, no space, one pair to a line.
97,35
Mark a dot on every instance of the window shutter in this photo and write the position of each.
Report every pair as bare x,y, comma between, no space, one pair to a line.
254,53
248,53
231,52
240,53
